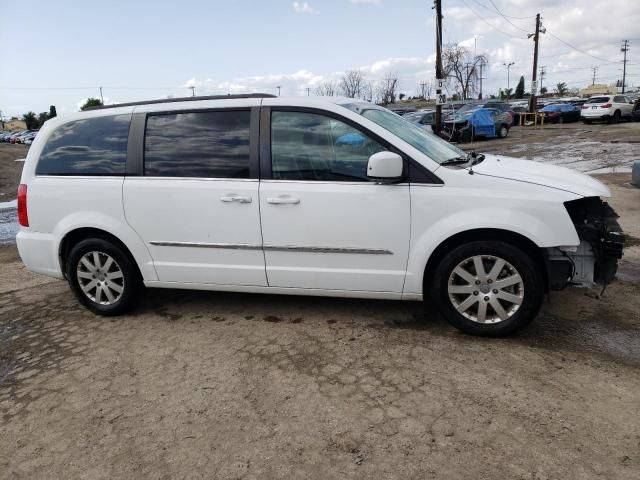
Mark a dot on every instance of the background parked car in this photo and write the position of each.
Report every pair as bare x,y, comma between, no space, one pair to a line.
517,110
466,125
424,118
560,113
635,113
502,107
611,108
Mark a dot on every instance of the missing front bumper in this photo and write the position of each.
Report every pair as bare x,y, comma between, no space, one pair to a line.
595,260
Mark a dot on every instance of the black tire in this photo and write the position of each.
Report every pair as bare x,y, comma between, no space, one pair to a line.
532,292
586,122
503,131
130,282
465,136
560,119
616,117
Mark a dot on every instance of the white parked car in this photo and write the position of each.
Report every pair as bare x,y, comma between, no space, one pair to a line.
611,108
305,196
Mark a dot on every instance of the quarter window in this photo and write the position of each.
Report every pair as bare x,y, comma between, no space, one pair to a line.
308,146
198,144
92,146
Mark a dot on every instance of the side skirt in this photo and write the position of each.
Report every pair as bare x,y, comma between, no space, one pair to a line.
284,291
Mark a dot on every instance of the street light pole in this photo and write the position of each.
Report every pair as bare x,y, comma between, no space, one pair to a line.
508,65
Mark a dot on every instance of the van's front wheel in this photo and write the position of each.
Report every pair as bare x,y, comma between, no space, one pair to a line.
102,277
488,288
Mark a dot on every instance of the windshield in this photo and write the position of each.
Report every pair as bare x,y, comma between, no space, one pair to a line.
421,139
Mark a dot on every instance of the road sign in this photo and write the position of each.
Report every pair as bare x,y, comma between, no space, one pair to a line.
534,87
441,99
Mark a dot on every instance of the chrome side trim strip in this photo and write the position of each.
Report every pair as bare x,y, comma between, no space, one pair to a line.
293,248
234,246
276,248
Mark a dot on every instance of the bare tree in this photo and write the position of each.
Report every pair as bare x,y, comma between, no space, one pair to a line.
388,89
367,92
326,89
424,89
463,67
352,83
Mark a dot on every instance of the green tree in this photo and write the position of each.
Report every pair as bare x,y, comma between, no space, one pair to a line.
91,102
561,88
52,111
520,88
543,90
42,117
30,120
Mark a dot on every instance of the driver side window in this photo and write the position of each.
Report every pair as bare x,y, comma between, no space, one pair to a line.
309,146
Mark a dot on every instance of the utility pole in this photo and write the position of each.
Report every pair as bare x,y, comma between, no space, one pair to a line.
465,90
625,49
508,65
481,77
536,36
595,70
278,87
543,72
439,75
101,99
308,91
193,91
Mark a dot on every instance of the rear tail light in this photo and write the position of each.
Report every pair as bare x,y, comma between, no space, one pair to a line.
606,105
23,218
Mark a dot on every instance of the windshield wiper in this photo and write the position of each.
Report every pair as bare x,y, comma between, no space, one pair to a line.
455,161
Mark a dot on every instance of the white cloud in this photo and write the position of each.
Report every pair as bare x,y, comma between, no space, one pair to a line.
192,82
304,7
370,2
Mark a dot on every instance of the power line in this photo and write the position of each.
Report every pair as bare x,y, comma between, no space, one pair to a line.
490,24
577,49
504,16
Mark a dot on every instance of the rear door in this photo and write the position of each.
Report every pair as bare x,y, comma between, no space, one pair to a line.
325,225
194,200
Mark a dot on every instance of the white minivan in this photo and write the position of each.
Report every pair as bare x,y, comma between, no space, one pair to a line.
305,196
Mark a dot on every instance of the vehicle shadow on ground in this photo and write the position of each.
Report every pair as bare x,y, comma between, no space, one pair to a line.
597,332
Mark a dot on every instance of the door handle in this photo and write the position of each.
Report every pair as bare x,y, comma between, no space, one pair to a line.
233,197
283,200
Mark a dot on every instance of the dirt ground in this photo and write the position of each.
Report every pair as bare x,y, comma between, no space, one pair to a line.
218,385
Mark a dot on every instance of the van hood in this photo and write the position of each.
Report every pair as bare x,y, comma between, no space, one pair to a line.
551,176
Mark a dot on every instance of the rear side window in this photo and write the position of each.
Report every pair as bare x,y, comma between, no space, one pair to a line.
93,146
198,144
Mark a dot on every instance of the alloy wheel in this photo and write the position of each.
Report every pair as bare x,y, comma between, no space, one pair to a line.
486,289
100,278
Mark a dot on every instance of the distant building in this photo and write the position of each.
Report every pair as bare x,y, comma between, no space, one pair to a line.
598,89
15,125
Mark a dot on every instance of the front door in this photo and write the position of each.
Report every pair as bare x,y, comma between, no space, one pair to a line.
196,206
324,224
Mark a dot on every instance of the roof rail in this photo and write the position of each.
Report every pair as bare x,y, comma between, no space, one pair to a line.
184,99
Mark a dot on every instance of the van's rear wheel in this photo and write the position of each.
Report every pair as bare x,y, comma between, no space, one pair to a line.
102,277
503,131
488,288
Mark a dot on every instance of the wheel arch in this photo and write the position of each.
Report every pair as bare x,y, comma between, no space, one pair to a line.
73,237
486,234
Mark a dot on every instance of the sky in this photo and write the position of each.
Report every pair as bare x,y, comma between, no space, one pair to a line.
60,52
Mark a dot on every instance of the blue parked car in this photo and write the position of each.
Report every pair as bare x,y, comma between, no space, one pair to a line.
561,113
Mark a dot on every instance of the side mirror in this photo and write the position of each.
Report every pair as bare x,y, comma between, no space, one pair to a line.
385,167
